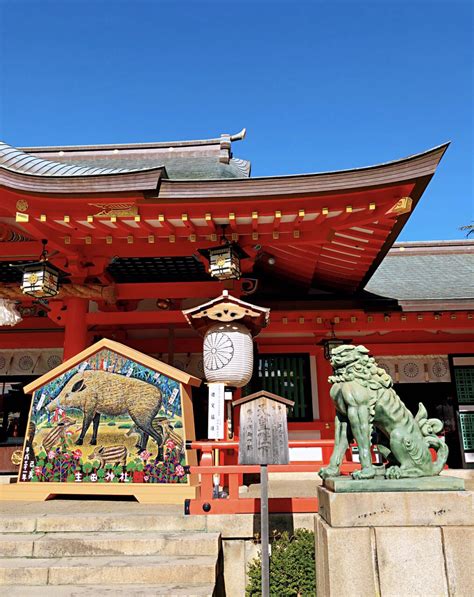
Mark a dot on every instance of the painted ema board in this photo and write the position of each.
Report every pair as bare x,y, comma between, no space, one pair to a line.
109,416
263,429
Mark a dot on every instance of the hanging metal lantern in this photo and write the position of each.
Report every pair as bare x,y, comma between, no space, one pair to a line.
40,278
224,260
333,342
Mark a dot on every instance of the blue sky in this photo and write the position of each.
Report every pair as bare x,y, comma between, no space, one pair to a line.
320,85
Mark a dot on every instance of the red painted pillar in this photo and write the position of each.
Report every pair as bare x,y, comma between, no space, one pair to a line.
75,330
327,410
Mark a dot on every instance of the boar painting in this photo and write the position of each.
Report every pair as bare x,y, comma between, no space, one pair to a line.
107,419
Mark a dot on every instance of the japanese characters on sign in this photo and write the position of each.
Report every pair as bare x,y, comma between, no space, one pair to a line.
215,428
263,430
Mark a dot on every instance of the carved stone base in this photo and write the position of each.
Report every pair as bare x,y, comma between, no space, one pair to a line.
392,544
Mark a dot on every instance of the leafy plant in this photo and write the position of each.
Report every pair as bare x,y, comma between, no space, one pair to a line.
292,567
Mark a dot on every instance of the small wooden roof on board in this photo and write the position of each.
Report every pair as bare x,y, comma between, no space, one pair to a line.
263,394
120,349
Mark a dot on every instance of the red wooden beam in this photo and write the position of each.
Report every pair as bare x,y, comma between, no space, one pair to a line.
170,290
120,318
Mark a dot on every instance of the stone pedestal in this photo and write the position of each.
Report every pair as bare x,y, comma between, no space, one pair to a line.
394,543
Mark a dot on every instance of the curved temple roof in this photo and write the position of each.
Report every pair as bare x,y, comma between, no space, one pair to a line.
16,167
18,161
324,230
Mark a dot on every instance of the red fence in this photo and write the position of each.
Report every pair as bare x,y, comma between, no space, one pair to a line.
230,478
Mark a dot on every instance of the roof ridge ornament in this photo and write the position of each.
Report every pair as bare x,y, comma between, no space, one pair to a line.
226,145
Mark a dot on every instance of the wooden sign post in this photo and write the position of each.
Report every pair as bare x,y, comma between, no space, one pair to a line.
264,441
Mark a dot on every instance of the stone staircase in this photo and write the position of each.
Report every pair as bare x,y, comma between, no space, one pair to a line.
117,549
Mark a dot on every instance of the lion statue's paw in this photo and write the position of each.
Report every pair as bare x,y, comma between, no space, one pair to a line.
365,473
393,472
328,471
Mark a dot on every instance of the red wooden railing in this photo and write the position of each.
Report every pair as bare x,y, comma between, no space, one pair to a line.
230,475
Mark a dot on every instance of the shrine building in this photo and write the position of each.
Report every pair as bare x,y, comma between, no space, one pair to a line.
130,230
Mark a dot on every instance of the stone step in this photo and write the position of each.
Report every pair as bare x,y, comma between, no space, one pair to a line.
83,521
55,545
105,570
164,590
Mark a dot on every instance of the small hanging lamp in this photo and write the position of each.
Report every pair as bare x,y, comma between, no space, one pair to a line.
333,342
224,260
40,278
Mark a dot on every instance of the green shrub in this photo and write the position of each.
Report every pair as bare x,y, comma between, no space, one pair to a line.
292,567
178,425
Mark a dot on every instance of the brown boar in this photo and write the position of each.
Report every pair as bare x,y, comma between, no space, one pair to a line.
101,392
116,455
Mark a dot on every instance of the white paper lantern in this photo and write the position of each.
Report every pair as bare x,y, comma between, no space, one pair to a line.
228,354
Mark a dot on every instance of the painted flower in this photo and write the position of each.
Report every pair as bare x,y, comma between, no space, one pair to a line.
179,471
51,454
66,455
77,454
144,455
38,470
170,444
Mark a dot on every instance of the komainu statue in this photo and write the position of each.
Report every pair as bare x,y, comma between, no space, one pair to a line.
364,399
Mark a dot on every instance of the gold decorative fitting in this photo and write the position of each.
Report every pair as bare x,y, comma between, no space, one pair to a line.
402,206
130,239
43,218
151,239
16,457
325,211
109,240
301,320
22,205
117,209
66,219
371,206
22,218
348,209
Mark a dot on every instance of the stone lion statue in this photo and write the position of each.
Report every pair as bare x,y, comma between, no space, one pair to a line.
364,398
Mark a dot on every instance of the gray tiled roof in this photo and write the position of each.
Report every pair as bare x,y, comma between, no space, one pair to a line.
19,161
179,167
426,271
